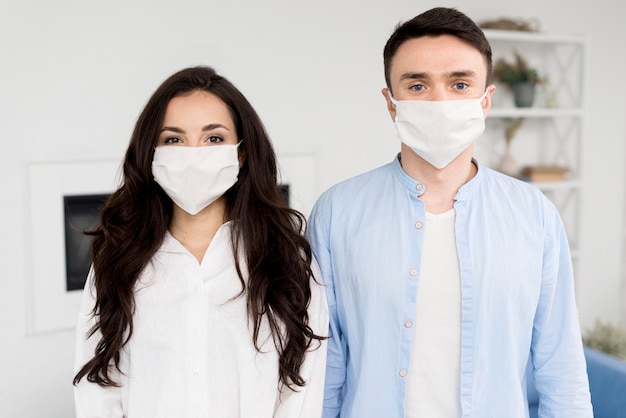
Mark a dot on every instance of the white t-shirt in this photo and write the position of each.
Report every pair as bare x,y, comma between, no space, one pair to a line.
433,379
191,353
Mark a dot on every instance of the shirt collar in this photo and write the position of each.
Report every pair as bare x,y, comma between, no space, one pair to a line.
415,186
468,188
412,185
172,245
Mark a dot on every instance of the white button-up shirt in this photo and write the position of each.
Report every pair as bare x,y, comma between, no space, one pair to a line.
191,353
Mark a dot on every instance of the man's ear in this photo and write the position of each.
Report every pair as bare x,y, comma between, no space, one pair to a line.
391,108
486,103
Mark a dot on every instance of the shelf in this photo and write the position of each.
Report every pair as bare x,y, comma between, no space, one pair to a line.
555,133
533,112
532,37
556,185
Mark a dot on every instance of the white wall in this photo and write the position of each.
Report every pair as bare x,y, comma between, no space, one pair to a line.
75,74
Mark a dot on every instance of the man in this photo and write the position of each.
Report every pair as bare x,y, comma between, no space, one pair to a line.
446,280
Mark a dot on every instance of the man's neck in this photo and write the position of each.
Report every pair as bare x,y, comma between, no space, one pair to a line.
441,185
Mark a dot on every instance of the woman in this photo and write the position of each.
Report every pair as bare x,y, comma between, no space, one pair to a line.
202,300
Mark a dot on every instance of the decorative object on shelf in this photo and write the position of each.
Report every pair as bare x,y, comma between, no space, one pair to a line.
508,165
520,77
523,94
507,23
552,99
544,172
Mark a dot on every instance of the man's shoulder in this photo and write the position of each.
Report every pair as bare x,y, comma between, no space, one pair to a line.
352,193
514,190
357,183
495,178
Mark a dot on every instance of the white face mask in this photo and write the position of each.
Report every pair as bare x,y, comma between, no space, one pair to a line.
195,177
438,131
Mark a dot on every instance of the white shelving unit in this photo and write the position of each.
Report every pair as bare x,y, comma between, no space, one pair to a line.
552,130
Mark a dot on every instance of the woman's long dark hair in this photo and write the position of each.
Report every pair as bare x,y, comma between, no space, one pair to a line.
136,217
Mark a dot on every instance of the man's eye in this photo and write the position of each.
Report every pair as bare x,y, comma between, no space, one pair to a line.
460,86
417,87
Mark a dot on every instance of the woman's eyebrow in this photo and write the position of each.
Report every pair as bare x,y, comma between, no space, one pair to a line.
208,127
212,126
173,129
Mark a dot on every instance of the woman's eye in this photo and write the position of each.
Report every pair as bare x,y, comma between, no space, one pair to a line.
214,139
171,140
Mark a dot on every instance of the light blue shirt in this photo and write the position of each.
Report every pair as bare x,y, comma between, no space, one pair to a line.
517,288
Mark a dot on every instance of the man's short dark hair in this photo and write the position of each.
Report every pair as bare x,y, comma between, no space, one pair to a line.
435,22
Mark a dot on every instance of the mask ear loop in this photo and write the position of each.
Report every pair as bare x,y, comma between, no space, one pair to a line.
394,101
484,96
239,156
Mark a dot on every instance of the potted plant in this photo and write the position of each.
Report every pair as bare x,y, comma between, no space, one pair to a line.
608,338
520,77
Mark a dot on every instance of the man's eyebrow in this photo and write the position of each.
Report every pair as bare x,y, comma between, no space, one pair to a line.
426,76
462,73
414,76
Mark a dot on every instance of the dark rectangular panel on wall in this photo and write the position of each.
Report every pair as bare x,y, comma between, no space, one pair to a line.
81,214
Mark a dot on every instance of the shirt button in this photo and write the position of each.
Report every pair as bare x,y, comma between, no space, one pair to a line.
414,272
402,373
408,324
419,225
419,186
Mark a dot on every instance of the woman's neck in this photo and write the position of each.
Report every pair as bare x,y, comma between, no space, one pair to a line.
195,232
